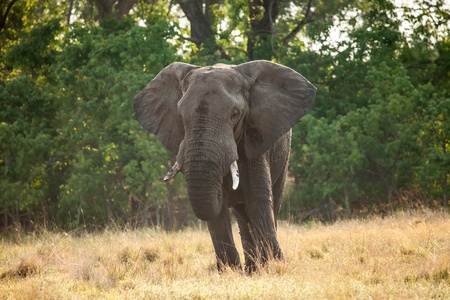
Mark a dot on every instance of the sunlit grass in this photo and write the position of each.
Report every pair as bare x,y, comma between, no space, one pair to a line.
402,256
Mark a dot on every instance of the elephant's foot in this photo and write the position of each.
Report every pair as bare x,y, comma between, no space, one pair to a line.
252,266
255,262
230,260
278,254
228,257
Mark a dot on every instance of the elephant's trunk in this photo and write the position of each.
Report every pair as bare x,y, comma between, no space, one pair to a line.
204,163
206,201
204,189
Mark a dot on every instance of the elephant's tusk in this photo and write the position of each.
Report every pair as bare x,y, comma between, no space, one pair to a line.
173,172
235,174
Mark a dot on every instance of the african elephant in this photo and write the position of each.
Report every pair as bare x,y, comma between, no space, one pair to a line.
220,120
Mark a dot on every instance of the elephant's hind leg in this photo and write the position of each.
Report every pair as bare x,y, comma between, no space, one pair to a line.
278,191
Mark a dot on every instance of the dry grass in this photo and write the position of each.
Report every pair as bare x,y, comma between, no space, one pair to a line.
401,256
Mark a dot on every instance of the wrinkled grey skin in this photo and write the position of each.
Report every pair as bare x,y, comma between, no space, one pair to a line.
212,116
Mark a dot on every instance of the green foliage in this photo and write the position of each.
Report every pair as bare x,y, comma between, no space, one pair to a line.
71,152
377,130
101,69
68,135
36,50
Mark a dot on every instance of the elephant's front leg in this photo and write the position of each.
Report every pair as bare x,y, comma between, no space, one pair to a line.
260,209
222,238
248,242
264,230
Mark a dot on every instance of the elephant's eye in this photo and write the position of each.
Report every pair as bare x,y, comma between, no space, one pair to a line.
234,114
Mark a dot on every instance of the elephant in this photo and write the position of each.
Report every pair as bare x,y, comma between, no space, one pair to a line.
230,128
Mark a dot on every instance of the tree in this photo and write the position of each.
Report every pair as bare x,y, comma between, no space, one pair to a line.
118,8
200,19
5,12
27,137
384,104
100,71
71,152
331,159
434,138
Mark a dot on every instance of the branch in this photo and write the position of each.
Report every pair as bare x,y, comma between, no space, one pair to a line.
200,27
331,207
69,12
123,7
307,19
273,27
5,15
186,38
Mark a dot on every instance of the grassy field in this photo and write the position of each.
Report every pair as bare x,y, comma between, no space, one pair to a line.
401,256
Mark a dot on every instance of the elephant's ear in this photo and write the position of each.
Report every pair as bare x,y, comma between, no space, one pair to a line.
155,106
279,97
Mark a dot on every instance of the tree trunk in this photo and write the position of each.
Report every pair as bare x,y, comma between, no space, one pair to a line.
104,8
108,211
69,12
17,219
444,187
79,210
201,29
390,198
123,7
262,15
144,213
347,203
331,207
392,185
209,10
108,208
4,16
144,207
158,214
120,8
202,22
6,212
135,218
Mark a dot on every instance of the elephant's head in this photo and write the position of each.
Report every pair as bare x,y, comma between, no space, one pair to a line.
203,114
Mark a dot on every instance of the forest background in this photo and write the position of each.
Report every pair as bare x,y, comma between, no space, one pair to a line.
72,154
